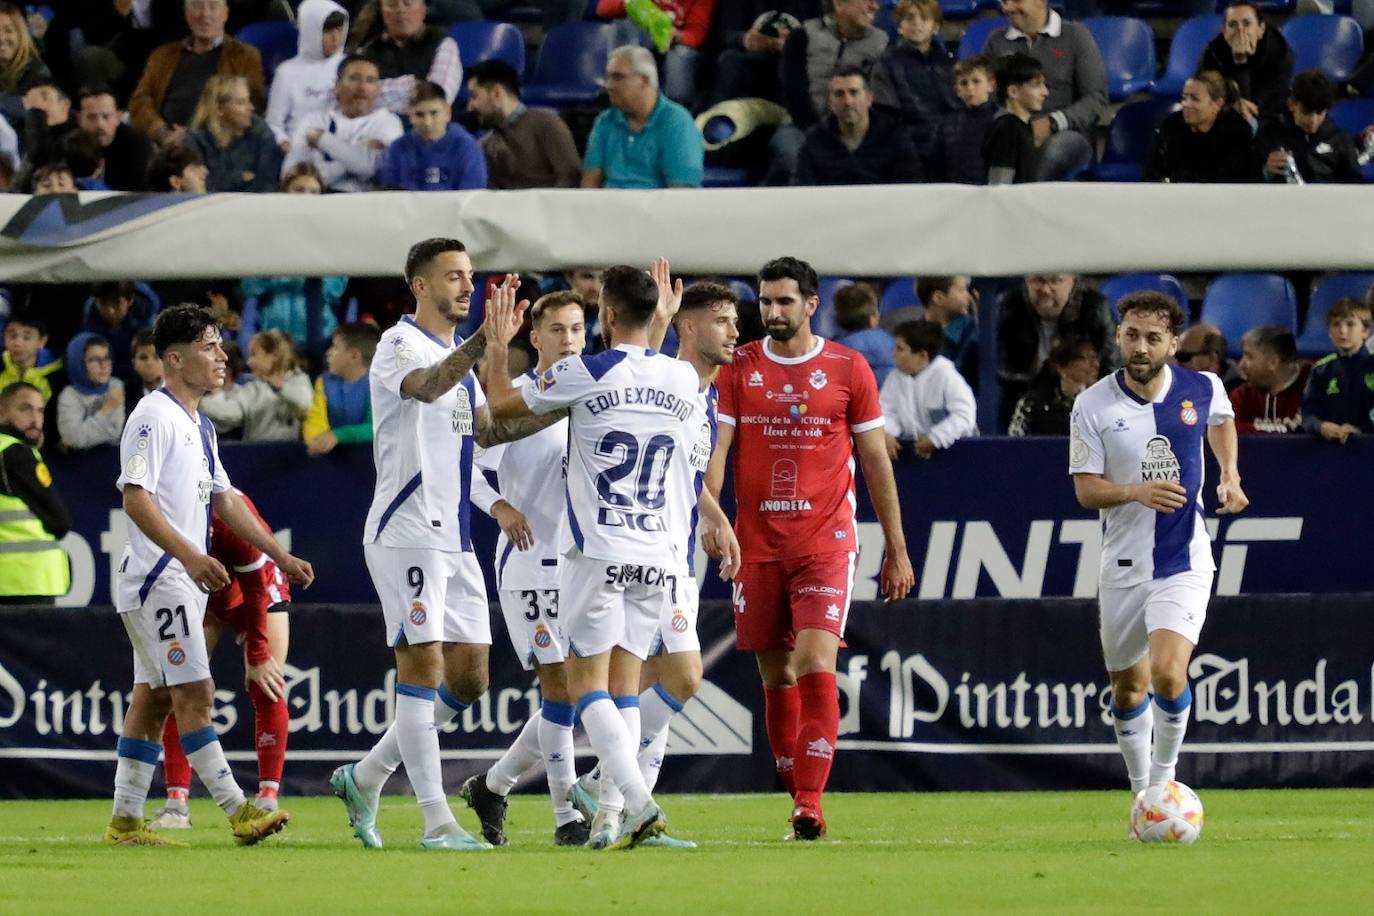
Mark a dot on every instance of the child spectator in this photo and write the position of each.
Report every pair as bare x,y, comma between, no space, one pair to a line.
1009,149
147,367
925,399
957,152
949,302
179,168
435,154
305,83
54,178
237,146
82,152
1206,140
117,313
856,312
1270,401
915,75
271,406
1047,405
1302,138
90,410
341,413
25,336
1339,398
302,178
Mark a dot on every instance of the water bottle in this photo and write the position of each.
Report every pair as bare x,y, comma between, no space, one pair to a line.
1290,171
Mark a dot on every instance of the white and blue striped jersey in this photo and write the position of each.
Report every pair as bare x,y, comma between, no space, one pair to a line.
423,452
701,459
635,416
1126,439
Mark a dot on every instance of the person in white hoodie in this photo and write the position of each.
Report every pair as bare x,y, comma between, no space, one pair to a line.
347,142
305,84
925,399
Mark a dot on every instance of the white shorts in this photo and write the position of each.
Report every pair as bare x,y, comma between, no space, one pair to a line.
536,632
166,625
1129,615
677,625
607,604
429,595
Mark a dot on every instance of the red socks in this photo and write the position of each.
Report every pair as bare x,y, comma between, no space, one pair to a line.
816,734
270,725
781,712
176,769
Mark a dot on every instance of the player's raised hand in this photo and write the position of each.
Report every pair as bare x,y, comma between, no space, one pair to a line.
1231,497
669,291
298,571
207,572
504,315
897,577
1160,495
268,677
514,524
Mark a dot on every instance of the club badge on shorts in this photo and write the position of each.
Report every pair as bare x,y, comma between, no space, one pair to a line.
542,639
679,622
176,655
418,615
1188,414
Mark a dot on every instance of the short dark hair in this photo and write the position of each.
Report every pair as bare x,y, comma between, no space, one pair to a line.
171,162
83,153
423,253
335,20
14,388
361,336
631,292
180,325
845,71
427,91
921,336
44,172
1215,344
1274,340
50,83
1017,70
143,338
555,300
704,293
1313,90
354,59
927,287
106,290
495,73
1148,302
1253,4
93,91
1068,348
789,268
29,320
855,304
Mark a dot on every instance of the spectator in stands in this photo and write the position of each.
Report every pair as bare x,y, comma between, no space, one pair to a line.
435,154
644,140
950,303
406,50
9,154
239,149
90,410
925,399
957,152
1202,348
175,74
341,413
271,406
1046,406
1206,140
302,178
1048,307
284,304
856,143
915,74
753,34
81,151
1270,401
117,313
33,568
21,64
147,367
347,142
1074,75
856,312
1340,397
25,337
178,168
678,29
1304,138
1258,58
809,58
305,83
47,121
586,282
524,147
54,178
1009,147
127,150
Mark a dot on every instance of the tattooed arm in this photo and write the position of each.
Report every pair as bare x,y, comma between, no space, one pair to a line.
427,385
492,431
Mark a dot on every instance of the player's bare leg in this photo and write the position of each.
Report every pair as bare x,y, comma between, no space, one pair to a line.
813,659
781,711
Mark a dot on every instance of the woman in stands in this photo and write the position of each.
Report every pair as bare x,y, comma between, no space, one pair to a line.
238,147
21,66
1206,140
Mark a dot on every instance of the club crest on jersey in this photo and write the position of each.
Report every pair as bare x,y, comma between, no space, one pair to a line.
418,614
1188,413
176,655
680,623
818,379
1160,462
756,379
542,639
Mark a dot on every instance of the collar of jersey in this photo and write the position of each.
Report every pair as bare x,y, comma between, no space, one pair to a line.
793,360
181,407
1163,392
635,349
410,320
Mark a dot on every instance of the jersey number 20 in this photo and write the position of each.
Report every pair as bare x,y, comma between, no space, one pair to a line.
649,465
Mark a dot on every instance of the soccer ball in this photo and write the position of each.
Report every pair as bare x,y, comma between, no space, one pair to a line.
1167,813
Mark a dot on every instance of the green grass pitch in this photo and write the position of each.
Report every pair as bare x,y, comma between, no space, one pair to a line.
1307,851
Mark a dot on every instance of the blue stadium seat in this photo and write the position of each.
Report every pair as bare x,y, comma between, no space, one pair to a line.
1314,341
1185,52
1128,50
1117,288
1128,140
478,41
745,290
722,177
1353,116
275,41
961,9
571,64
1332,44
824,322
1238,302
976,35
886,20
899,293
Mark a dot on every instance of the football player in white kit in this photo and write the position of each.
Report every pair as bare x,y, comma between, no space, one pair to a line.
531,509
1135,453
428,414
172,478
635,420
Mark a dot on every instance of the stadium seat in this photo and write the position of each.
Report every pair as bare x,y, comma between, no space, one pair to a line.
824,322
571,64
961,9
1128,139
899,293
745,290
1332,44
1128,51
275,41
1353,116
1117,288
1314,341
1238,302
1185,52
976,35
478,41
722,177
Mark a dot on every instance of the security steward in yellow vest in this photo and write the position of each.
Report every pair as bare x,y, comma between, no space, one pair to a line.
34,569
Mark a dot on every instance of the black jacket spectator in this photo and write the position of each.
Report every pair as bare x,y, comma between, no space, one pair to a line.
127,159
1180,154
886,155
744,73
1009,144
919,87
1325,157
957,155
1045,408
1019,341
1264,78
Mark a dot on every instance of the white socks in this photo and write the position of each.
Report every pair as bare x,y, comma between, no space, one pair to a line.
1133,728
202,749
651,758
610,737
372,772
134,775
518,758
1171,722
556,747
418,739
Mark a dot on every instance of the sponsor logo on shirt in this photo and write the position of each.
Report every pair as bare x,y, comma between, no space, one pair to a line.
462,414
784,479
1160,462
755,379
820,590
784,505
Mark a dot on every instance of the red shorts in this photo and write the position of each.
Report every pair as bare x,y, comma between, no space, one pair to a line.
776,599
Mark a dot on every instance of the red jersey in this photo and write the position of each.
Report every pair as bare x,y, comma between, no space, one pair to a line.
256,584
1258,411
794,420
